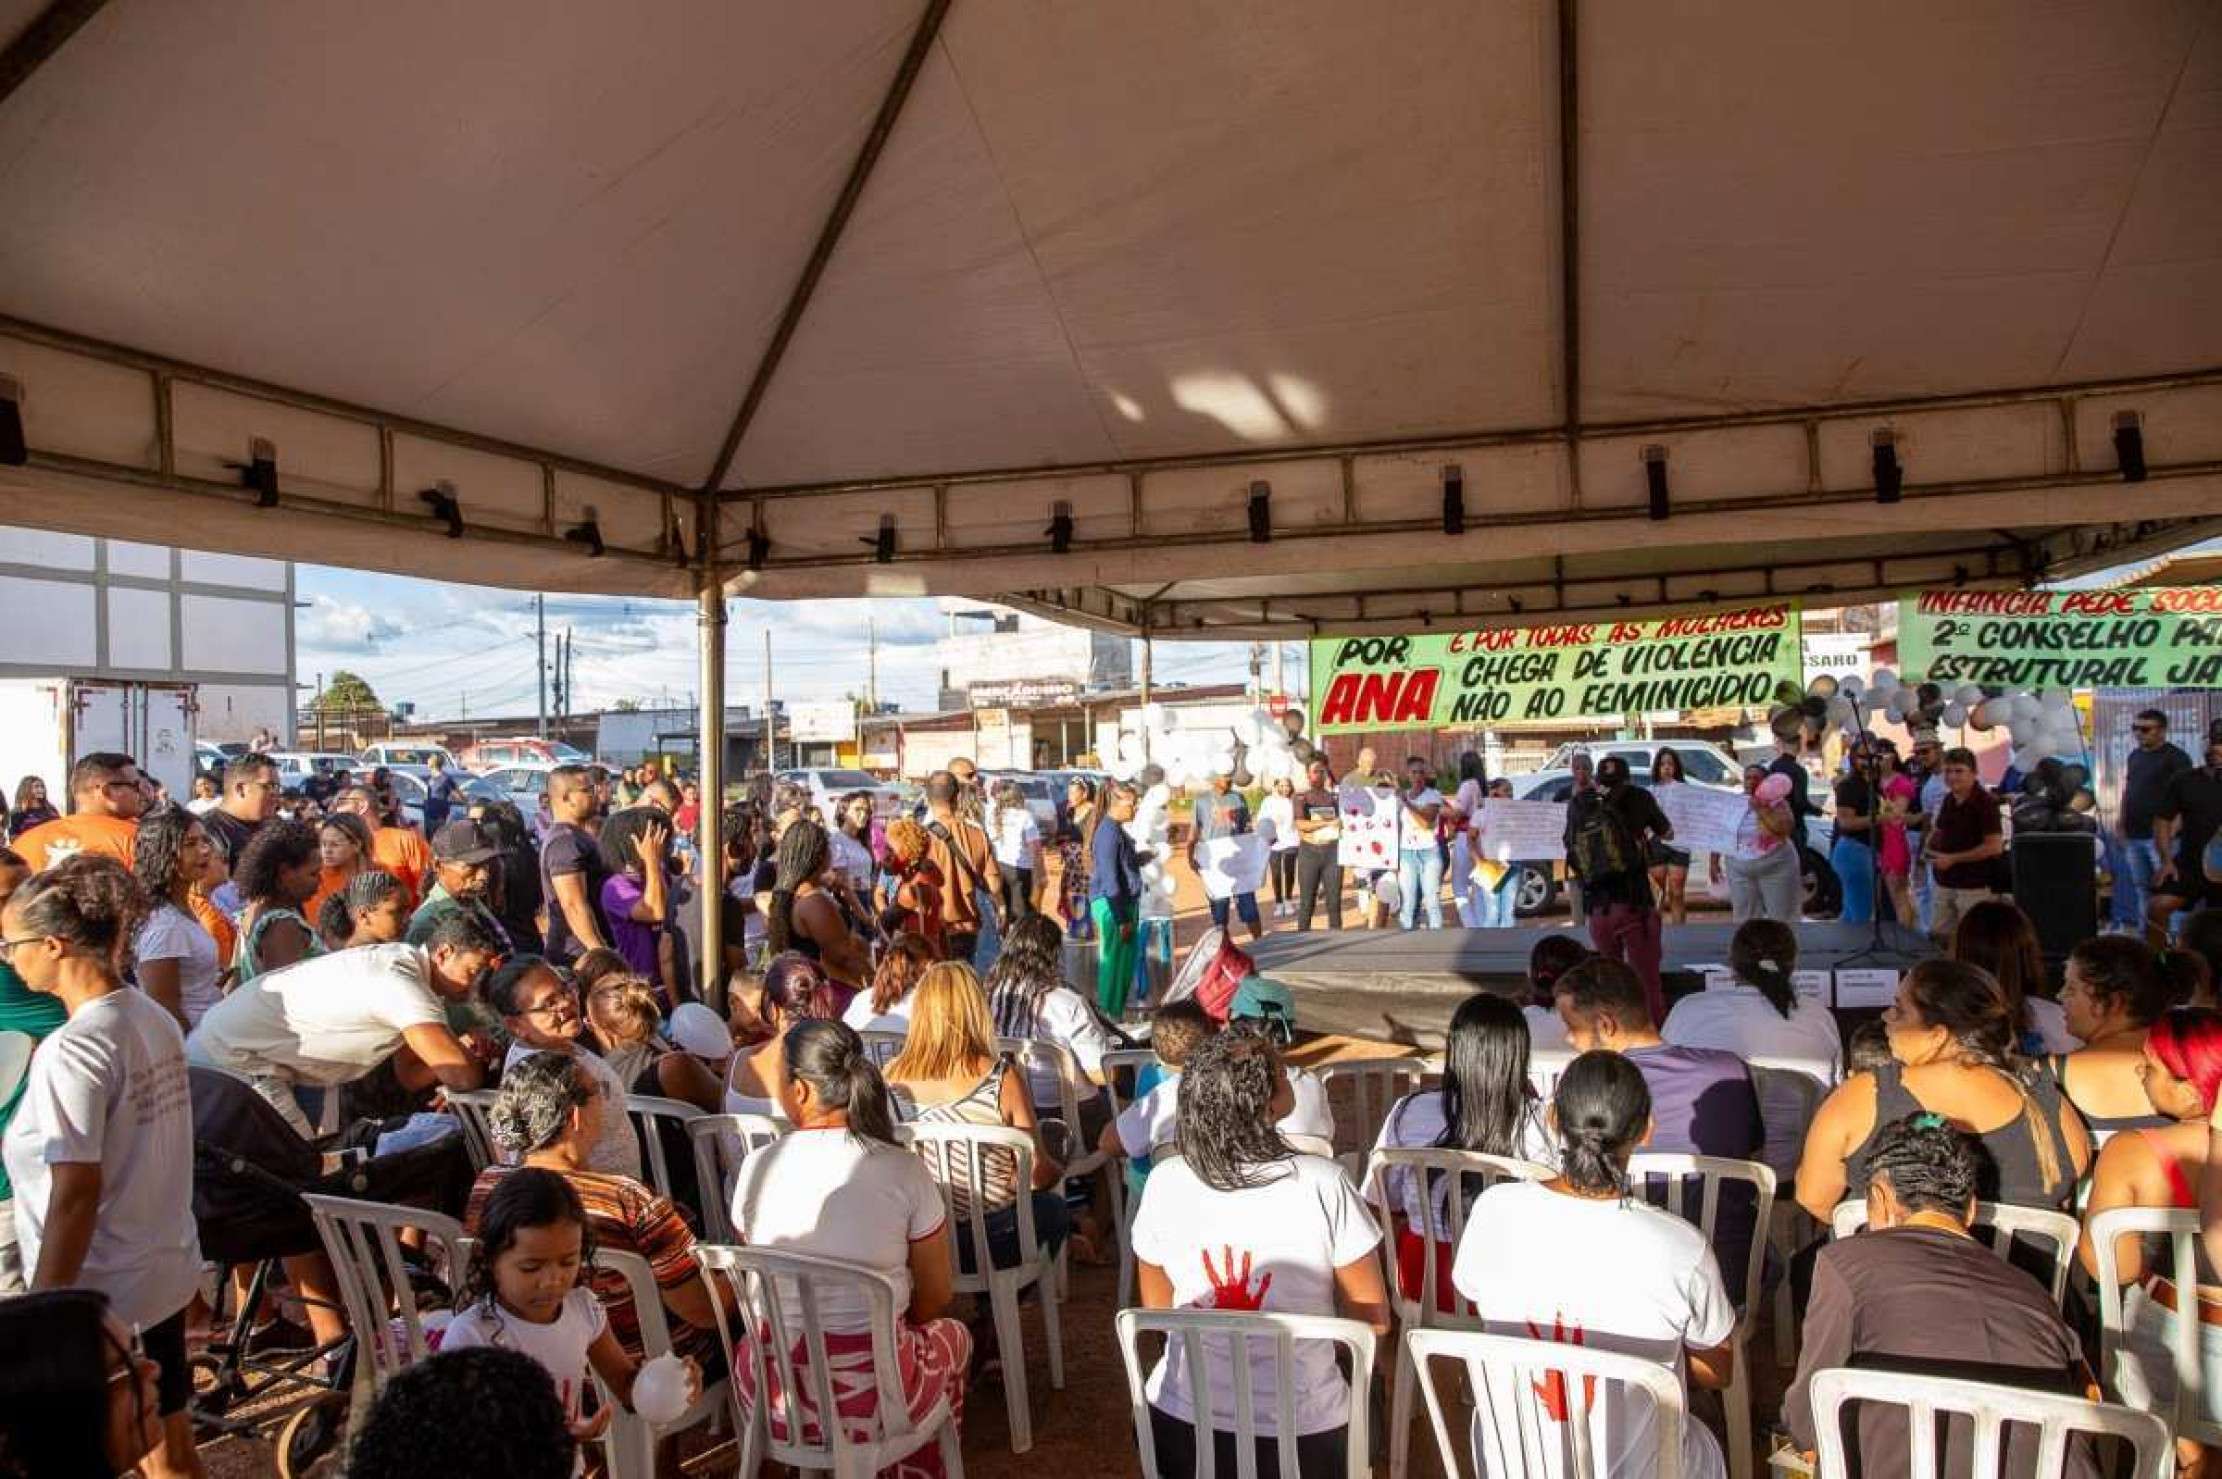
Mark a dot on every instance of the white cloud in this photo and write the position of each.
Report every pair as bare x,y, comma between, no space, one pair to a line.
341,627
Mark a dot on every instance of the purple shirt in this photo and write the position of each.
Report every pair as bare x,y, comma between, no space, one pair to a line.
628,936
1702,1103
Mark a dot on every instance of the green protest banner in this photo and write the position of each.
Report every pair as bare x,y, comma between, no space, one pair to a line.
1579,670
2169,637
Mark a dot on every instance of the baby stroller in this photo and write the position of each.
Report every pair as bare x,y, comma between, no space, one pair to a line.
250,1173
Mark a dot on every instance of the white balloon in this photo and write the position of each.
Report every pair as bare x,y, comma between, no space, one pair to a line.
2057,699
1851,687
2023,732
1247,729
1955,714
1168,885
1968,694
1899,704
1840,710
660,1390
1884,680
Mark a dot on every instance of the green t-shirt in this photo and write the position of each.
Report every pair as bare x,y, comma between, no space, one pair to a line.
35,1015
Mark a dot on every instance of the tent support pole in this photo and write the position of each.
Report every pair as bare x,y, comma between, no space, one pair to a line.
35,45
710,758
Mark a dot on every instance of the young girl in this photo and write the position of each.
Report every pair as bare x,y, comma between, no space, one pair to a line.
914,905
373,909
522,1293
1670,866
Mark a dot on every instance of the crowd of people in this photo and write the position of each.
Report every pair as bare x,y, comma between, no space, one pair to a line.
344,971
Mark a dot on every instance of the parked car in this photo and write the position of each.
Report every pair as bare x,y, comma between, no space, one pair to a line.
405,752
210,758
296,766
1540,880
1042,791
828,786
523,783
410,783
494,754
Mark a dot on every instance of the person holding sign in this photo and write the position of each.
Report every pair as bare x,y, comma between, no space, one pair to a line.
1419,855
1609,832
1221,812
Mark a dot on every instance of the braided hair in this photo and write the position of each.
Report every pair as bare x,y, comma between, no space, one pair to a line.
1225,1105
1928,1165
803,852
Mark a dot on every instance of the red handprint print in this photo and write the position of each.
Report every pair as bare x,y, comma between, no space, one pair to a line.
1552,1389
1230,1290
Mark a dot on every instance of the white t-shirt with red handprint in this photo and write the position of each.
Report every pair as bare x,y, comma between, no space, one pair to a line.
1271,1247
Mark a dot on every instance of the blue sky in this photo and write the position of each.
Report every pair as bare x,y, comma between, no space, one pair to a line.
445,646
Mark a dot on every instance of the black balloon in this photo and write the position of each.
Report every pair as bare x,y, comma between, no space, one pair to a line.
1242,777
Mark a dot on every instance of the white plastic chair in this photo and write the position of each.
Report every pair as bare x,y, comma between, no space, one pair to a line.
960,1155
1443,1175
1194,1329
1039,1055
721,1143
1544,1067
1779,1083
1515,1380
647,1111
881,1047
1743,1283
1989,1408
1376,1084
2006,1222
631,1440
777,1298
472,1109
1115,1061
362,1240
2181,1227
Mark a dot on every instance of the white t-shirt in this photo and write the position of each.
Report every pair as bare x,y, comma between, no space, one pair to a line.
1611,1275
108,1088
1154,1119
1470,797
1277,820
1739,1020
1018,837
1546,1028
859,1014
617,1149
1415,1122
172,934
1270,1247
1063,1018
1413,835
836,1195
851,858
329,1020
559,1346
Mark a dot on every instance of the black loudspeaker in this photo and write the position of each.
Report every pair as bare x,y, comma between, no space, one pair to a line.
2056,884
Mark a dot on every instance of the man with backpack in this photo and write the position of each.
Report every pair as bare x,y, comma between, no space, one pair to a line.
1608,835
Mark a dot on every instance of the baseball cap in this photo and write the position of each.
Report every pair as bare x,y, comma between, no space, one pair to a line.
700,1031
463,842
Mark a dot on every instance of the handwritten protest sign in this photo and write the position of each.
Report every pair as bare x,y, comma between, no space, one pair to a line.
1704,819
1369,819
1522,831
1233,865
1579,670
2170,637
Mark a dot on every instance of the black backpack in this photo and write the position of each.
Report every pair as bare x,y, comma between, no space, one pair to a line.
1598,843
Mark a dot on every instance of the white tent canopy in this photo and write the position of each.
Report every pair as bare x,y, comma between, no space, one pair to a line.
812,270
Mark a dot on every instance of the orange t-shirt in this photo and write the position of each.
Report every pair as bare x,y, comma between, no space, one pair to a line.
88,832
403,852
329,882
218,925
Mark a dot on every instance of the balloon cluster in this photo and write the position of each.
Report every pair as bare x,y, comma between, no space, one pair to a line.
2039,724
1258,747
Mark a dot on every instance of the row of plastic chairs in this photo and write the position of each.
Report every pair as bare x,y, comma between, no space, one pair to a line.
1516,1382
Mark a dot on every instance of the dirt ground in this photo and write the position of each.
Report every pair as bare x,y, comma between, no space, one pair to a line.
1087,1428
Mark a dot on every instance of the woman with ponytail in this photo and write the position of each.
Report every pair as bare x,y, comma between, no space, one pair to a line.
1761,1014
1485,1104
1602,1267
804,915
1952,1054
841,1187
2181,1067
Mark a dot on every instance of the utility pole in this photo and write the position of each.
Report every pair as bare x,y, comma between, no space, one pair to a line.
771,732
1277,688
872,669
1145,697
570,670
540,619
320,711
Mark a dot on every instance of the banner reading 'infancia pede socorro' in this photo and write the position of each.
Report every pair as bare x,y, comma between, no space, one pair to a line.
1576,670
2169,637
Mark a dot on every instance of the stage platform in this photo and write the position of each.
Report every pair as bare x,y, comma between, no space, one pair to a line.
1401,986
